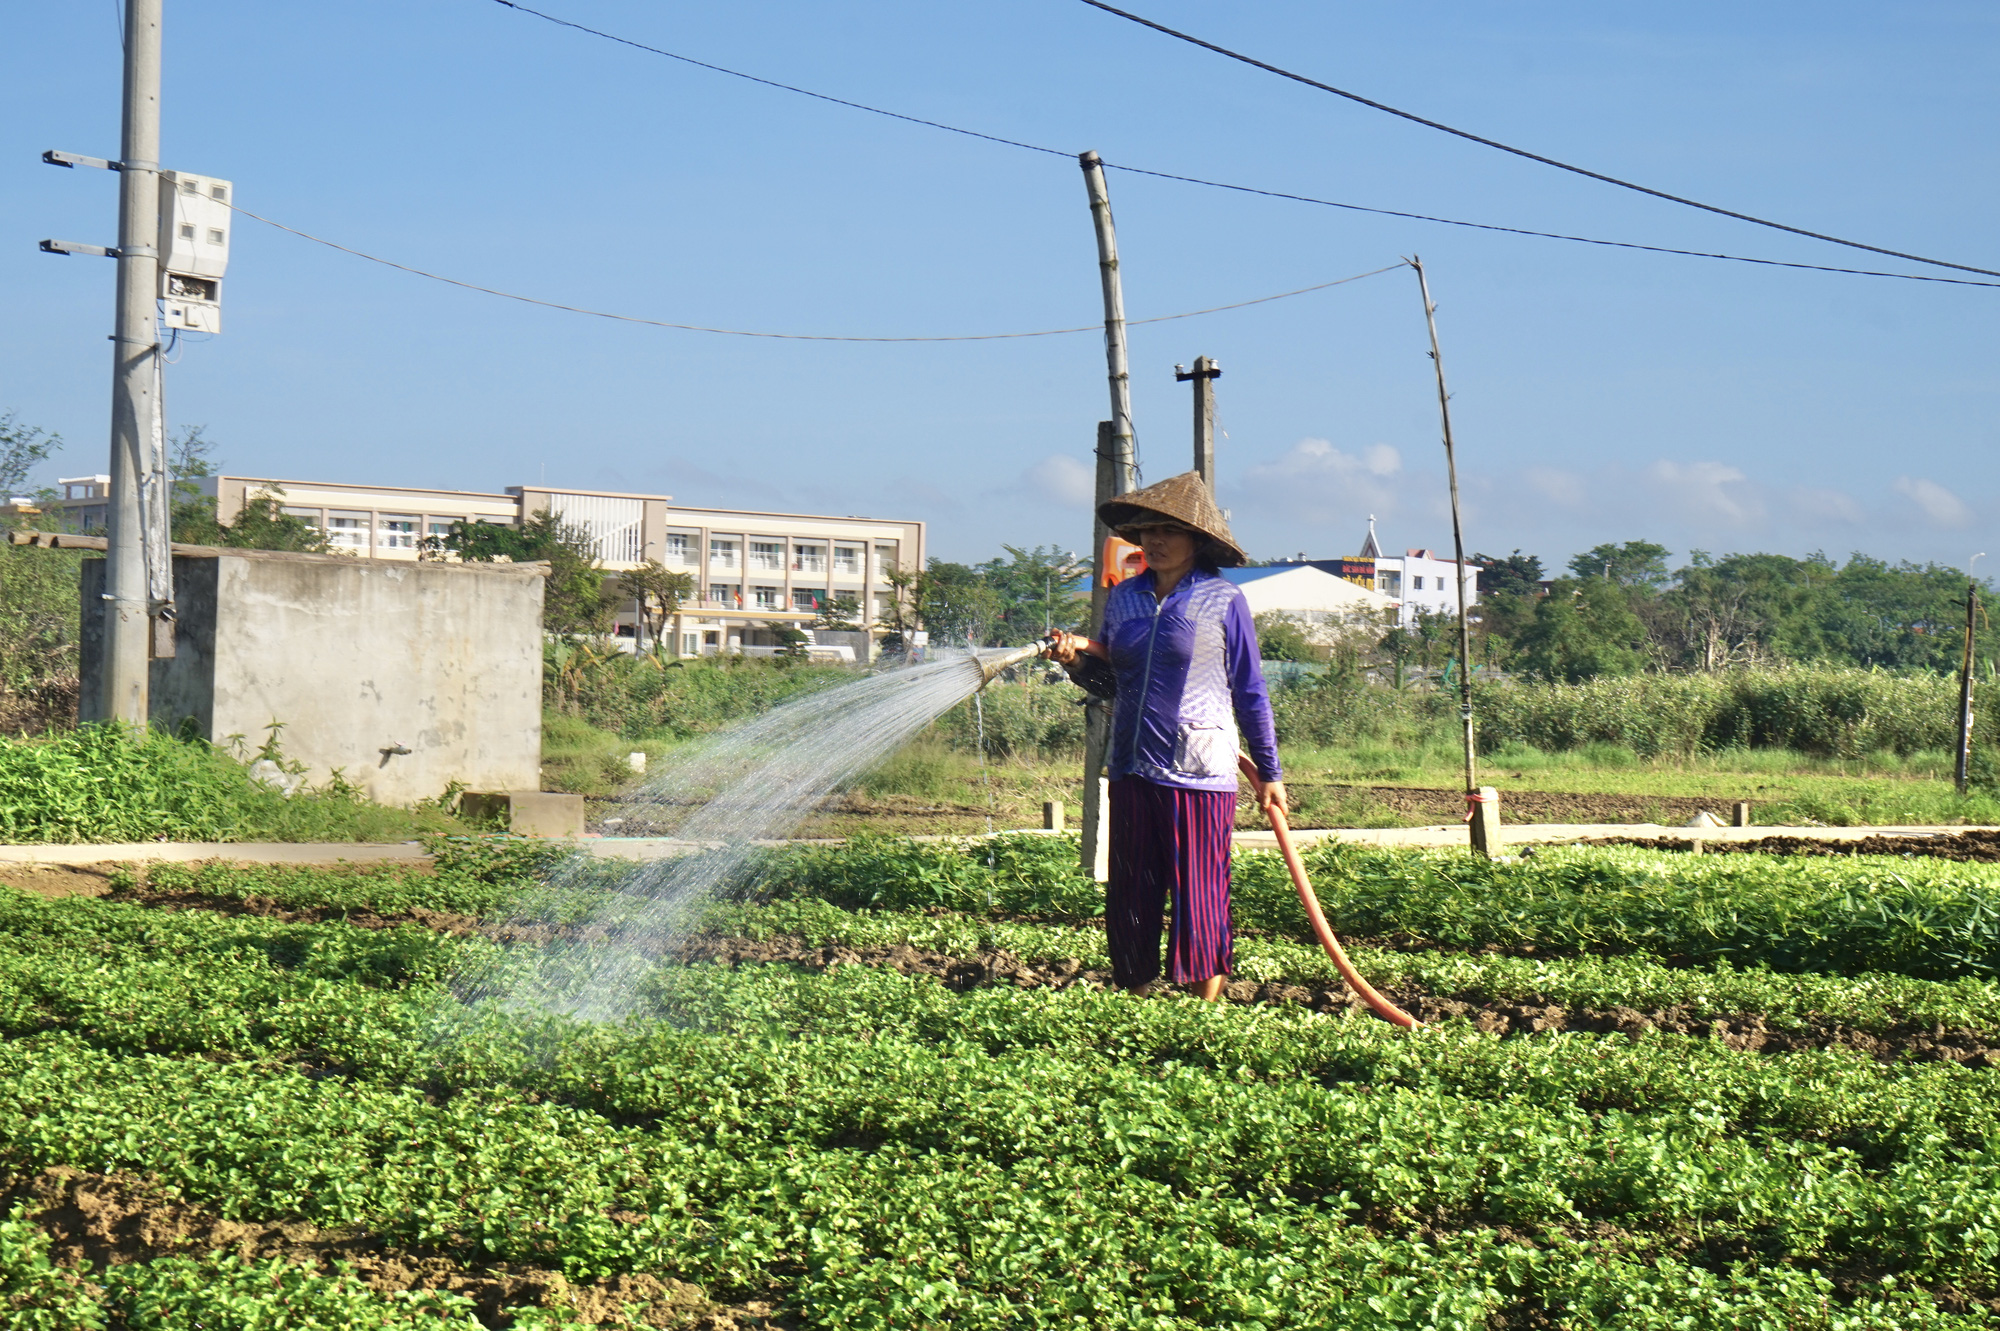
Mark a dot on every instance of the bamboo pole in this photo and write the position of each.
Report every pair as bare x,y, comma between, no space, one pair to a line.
1117,458
1124,443
1962,767
1474,796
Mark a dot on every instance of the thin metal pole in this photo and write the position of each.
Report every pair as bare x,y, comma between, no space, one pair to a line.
1962,767
1457,533
1125,446
134,378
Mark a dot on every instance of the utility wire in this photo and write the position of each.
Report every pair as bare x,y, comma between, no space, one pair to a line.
1523,152
795,337
773,83
1279,194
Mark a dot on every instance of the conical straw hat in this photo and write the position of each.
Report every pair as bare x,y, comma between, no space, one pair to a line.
1185,499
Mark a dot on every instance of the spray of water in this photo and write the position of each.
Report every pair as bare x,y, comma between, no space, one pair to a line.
725,801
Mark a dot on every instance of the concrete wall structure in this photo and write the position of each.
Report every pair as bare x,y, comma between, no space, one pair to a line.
402,676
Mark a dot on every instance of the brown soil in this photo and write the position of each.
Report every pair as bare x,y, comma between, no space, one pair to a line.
97,1220
59,880
1742,1031
1977,845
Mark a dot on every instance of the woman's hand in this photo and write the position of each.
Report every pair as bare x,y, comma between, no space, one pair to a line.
1068,646
1271,796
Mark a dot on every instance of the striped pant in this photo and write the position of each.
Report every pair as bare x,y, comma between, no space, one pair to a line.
1169,844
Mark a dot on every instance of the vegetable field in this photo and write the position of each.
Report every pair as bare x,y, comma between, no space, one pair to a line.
884,1087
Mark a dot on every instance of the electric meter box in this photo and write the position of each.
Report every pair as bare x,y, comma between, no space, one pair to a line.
195,222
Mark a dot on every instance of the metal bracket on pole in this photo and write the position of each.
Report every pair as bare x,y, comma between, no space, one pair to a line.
56,157
78,247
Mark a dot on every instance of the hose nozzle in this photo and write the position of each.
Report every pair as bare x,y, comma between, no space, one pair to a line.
991,666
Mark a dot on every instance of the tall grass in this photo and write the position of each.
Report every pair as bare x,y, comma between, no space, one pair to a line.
1828,711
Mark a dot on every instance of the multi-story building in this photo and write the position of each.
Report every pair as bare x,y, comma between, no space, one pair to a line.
1417,580
752,571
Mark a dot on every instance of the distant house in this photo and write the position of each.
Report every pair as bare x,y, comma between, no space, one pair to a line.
1311,595
1416,581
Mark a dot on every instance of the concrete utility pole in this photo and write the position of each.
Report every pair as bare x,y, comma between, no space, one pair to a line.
1962,766
1204,375
135,382
1482,805
1117,465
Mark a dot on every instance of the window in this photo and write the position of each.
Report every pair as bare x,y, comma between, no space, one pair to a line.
809,558
725,594
768,556
190,186
187,230
317,517
690,643
808,598
220,193
722,554
846,559
215,235
679,549
348,531
438,528
768,598
396,531
885,560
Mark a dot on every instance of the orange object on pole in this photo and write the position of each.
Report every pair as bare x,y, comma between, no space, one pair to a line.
1381,1006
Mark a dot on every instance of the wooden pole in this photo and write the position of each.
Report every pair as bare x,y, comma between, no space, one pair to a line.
1095,859
1125,445
1481,827
1204,375
1962,768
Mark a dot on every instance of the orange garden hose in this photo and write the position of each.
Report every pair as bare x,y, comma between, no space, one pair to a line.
1381,1006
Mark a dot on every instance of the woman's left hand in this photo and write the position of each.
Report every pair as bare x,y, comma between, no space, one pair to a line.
1272,796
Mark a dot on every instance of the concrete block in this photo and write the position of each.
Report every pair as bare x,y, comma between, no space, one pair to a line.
526,812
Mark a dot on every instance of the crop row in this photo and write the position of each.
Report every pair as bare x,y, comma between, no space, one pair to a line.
1869,1001
1931,920
1062,1180
199,984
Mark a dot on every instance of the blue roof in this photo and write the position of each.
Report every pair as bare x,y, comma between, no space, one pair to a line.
1239,576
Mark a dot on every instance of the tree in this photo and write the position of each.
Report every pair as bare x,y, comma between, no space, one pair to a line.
1513,575
1281,637
573,599
840,613
262,524
22,449
1583,628
1038,589
1635,564
660,592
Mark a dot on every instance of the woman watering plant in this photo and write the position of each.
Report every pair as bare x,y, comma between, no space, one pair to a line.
1180,641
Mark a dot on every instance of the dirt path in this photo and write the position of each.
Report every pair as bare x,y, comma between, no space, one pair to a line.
98,1220
1978,845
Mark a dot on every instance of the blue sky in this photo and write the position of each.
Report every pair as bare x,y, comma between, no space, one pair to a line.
1599,394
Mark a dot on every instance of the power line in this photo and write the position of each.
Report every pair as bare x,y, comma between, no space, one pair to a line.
773,83
792,337
1297,198
1523,152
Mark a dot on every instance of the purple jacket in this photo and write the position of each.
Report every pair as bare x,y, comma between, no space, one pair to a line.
1188,676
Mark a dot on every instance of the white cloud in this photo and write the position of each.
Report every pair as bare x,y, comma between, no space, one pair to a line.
1556,485
1707,491
1836,505
1063,479
1937,504
1316,460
